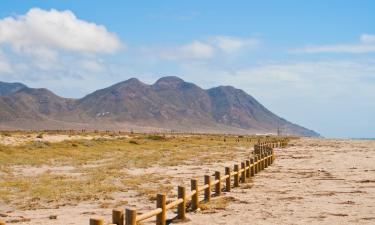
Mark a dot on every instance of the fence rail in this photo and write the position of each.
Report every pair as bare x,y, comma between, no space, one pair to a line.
264,156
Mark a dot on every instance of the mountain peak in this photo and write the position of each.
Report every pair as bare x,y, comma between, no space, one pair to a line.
9,88
132,82
169,81
170,103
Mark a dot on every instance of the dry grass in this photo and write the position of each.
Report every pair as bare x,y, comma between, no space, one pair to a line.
98,166
218,203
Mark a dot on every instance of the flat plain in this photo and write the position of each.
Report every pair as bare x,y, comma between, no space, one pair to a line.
67,178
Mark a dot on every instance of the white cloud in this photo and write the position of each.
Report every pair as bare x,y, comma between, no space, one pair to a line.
5,66
193,50
92,65
51,44
196,49
230,44
203,49
321,80
368,38
60,30
366,45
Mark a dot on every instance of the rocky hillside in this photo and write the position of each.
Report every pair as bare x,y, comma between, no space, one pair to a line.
9,88
170,104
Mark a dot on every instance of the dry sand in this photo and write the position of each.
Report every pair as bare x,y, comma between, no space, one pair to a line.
20,139
313,181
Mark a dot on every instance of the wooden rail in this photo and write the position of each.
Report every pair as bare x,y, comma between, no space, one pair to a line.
263,157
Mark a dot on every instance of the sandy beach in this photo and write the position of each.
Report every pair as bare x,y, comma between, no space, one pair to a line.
313,181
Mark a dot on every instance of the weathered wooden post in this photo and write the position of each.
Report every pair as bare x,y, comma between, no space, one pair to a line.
266,159
218,185
243,172
252,169
248,168
2,222
130,216
95,221
181,193
160,203
118,216
195,197
256,164
236,175
270,157
207,191
227,181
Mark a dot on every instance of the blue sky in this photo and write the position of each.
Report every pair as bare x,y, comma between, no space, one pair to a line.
312,63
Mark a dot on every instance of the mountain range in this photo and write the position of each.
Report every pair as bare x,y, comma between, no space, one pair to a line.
168,104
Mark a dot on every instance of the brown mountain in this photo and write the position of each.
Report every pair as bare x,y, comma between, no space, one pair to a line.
170,104
9,88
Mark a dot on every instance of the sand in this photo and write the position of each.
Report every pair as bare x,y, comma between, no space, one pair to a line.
313,181
20,139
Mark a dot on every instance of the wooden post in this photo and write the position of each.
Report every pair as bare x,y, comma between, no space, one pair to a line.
95,221
207,191
118,216
255,164
248,168
266,159
195,197
2,222
181,193
252,169
243,173
270,157
236,176
227,181
130,216
259,163
160,203
218,185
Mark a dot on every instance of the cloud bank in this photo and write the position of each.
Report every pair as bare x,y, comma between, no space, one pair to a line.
208,48
61,30
366,45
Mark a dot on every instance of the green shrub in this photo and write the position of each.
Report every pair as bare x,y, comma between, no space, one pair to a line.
134,142
156,137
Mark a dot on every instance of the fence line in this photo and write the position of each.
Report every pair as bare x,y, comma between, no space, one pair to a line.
264,156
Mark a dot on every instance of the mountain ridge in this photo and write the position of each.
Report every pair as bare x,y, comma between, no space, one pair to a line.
169,104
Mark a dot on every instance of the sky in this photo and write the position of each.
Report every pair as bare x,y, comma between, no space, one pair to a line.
310,62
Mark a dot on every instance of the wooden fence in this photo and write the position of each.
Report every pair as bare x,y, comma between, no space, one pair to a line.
263,157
